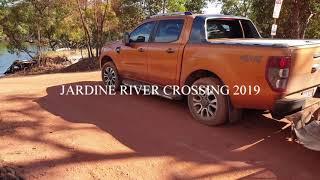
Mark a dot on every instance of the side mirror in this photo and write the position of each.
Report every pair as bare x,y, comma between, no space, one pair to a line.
126,39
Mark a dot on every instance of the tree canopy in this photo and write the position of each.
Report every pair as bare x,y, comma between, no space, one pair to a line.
78,23
90,23
298,19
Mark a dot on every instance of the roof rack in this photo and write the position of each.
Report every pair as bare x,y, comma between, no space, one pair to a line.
172,14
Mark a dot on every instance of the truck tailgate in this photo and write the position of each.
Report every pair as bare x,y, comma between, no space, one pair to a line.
305,68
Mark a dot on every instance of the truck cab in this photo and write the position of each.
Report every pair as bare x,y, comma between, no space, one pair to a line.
185,49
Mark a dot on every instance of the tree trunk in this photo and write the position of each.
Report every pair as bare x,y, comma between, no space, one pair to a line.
295,31
88,52
164,6
39,46
86,30
100,29
305,26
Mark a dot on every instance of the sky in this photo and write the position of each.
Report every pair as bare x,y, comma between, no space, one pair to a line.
212,8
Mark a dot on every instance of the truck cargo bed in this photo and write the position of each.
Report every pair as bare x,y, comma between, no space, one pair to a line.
267,42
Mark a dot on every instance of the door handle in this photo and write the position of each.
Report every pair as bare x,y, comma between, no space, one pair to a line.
170,50
118,49
315,68
141,50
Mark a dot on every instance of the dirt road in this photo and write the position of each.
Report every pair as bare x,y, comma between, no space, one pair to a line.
48,136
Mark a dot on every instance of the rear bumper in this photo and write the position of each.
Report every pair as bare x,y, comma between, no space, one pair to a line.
288,106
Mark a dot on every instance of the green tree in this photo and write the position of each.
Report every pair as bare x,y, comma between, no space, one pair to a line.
298,19
313,30
236,7
93,15
31,22
14,23
176,6
132,12
77,23
69,33
195,6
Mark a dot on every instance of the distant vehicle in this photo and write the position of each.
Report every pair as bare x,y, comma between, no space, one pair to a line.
20,65
186,49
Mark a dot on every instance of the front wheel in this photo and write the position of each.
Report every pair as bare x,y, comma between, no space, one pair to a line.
210,108
110,75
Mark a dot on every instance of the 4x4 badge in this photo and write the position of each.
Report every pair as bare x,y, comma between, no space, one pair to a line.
247,58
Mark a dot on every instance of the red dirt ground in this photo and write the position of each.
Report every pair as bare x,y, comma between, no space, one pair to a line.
48,136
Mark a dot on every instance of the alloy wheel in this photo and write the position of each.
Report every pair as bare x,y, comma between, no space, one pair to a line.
205,105
110,76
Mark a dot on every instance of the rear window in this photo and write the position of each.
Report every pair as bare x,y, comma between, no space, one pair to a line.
223,29
249,30
218,28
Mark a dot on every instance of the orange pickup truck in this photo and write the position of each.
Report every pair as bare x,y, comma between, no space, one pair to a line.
181,49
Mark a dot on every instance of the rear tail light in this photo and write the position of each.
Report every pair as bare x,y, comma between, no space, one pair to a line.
277,72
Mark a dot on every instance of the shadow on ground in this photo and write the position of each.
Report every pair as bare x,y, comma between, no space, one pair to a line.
153,127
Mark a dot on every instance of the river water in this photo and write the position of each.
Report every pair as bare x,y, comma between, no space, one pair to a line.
6,59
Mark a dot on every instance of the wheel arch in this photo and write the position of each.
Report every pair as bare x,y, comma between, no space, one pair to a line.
234,114
105,59
192,77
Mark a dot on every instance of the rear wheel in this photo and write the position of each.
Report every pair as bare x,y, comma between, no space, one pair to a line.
110,76
210,108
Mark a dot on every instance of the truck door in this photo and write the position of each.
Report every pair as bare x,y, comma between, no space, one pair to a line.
134,56
164,50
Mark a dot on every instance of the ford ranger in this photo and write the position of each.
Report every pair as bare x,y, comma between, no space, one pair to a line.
282,76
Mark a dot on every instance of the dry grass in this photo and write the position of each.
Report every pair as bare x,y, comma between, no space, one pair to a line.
83,66
48,65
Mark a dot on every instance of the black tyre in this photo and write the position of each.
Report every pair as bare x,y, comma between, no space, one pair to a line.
210,108
110,75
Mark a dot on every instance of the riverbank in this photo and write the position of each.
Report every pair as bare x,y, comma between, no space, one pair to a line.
59,65
7,59
59,61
